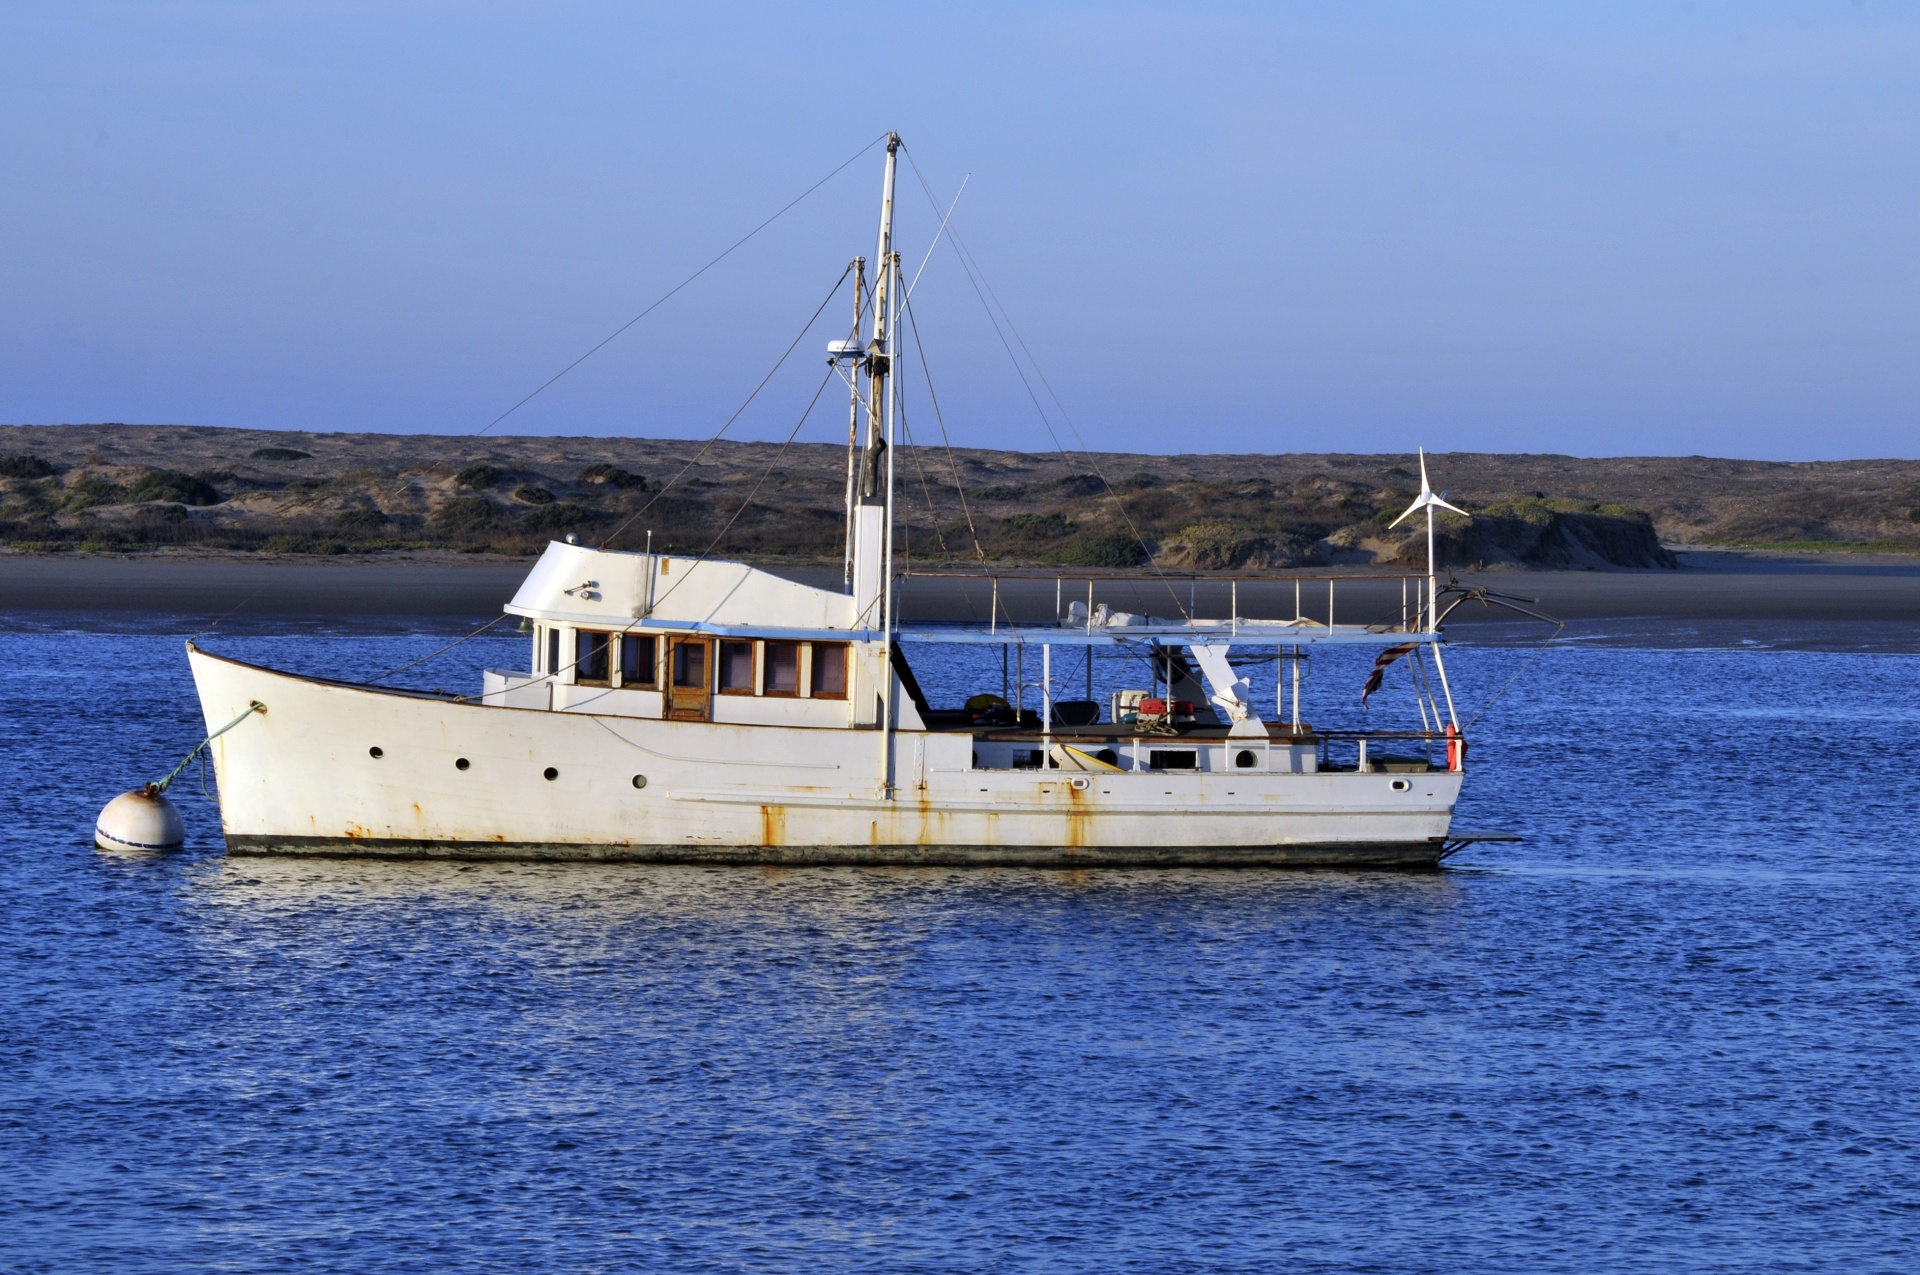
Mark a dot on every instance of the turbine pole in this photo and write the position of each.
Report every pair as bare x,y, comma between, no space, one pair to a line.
1433,575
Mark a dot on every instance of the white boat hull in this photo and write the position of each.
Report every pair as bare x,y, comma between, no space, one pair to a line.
303,778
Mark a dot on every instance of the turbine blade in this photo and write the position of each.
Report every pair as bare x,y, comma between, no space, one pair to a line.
1441,504
1419,503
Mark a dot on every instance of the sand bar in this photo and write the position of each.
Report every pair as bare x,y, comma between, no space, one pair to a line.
1710,586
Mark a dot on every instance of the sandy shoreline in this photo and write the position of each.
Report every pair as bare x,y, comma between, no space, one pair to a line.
1711,586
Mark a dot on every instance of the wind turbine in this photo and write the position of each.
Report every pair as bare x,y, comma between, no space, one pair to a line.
1428,501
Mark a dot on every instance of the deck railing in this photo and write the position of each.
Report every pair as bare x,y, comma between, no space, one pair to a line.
1452,753
1392,599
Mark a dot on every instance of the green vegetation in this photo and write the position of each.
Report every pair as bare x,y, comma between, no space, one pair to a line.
89,490
359,521
1539,507
611,476
1031,527
28,466
532,495
469,516
1117,552
480,475
1220,546
1076,485
558,519
278,453
171,485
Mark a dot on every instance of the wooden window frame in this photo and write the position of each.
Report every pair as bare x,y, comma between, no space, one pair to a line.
720,662
652,682
766,669
707,675
813,668
579,664
677,709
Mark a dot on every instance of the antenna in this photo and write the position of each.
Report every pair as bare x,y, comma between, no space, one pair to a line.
1428,501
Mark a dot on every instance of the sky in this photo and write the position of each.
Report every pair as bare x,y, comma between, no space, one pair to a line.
1596,229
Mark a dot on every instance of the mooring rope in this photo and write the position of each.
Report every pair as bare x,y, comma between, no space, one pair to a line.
155,789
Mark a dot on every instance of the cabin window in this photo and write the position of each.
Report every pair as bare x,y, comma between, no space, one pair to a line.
592,661
690,665
553,651
639,661
783,668
736,668
829,670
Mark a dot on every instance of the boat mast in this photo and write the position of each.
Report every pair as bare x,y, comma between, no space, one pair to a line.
880,361
873,491
870,504
853,416
880,380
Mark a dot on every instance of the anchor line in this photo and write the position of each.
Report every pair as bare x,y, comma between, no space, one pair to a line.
160,786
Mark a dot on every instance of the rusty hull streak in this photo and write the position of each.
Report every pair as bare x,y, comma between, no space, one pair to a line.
773,826
1077,816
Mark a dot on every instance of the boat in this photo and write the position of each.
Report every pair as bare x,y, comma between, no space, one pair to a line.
690,709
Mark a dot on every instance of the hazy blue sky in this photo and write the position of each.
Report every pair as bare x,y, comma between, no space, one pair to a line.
1599,229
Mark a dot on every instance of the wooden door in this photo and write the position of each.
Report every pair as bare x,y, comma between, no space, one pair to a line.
690,679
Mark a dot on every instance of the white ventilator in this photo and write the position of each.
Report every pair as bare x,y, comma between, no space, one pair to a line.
1428,501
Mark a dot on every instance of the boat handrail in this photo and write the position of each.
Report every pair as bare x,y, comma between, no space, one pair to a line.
1116,574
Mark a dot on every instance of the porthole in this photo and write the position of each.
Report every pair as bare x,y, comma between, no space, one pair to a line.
461,763
375,752
1080,783
1246,759
1401,785
639,781
551,773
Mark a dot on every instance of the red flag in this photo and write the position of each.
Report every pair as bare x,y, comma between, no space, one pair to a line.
1379,673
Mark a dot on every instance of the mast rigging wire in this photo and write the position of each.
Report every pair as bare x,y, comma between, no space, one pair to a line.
676,478
977,278
669,294
953,462
764,475
630,625
708,445
926,489
442,651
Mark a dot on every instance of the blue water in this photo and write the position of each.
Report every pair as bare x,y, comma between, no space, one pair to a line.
1675,1030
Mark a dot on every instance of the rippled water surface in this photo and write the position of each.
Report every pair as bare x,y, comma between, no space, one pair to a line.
1675,1030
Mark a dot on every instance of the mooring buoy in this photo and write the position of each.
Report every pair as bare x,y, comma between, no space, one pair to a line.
142,820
